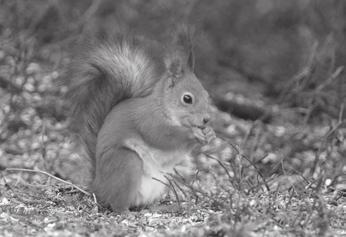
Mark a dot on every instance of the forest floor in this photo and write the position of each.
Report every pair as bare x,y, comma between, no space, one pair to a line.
282,178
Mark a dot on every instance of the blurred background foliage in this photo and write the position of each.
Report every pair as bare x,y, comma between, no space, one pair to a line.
252,55
276,44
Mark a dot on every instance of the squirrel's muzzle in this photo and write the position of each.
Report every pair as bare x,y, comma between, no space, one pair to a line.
201,121
206,119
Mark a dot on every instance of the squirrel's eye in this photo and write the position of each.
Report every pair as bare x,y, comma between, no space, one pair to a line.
187,98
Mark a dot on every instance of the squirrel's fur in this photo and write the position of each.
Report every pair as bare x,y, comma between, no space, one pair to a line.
98,85
127,107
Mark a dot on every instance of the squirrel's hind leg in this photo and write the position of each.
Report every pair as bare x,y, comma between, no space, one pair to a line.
118,176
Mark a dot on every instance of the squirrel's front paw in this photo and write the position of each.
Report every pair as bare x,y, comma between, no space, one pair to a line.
209,134
205,135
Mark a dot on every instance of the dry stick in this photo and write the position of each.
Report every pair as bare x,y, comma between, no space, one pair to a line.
94,6
335,74
92,9
341,113
49,175
95,199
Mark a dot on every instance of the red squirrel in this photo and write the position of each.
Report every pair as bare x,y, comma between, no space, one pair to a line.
139,109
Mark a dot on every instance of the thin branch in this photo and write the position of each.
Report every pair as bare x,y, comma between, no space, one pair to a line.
335,74
90,11
341,113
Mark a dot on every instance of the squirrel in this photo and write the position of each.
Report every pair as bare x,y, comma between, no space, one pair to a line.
139,110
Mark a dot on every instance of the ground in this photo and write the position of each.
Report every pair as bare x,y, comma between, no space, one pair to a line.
229,196
277,167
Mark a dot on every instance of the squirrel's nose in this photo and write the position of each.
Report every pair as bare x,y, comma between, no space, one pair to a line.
206,119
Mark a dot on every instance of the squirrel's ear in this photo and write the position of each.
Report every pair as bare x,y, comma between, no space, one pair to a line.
179,55
174,67
183,39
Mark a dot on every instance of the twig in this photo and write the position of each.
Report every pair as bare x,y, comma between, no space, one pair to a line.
94,198
90,11
341,113
335,74
49,175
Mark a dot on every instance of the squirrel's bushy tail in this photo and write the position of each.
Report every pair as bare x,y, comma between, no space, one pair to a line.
107,73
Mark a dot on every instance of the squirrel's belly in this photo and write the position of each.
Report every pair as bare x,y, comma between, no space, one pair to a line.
150,188
154,182
157,165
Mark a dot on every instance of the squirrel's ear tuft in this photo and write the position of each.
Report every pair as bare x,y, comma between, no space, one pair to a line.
183,39
181,46
179,55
